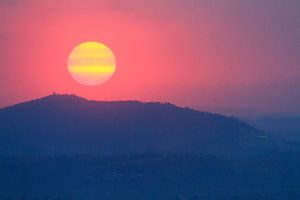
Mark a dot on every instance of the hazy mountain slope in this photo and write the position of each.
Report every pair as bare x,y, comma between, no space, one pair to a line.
287,128
67,124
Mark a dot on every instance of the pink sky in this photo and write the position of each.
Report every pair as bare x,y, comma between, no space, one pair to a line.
199,53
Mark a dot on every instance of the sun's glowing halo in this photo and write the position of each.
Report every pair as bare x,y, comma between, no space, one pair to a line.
91,63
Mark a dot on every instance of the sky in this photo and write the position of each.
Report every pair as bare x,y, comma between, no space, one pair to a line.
195,53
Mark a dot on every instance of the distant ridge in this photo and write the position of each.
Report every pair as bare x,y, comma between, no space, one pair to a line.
61,124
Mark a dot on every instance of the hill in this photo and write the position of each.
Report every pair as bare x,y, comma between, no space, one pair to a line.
68,125
67,147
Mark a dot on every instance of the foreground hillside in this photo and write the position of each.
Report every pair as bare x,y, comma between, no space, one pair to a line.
63,147
69,125
150,177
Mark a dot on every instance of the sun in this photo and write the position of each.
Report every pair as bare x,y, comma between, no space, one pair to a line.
91,63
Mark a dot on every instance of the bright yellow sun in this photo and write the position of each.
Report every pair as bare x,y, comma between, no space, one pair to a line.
91,63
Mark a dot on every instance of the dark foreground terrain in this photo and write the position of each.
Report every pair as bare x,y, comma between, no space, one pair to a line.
151,177
66,147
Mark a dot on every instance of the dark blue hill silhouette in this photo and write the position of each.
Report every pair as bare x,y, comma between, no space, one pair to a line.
66,147
69,125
